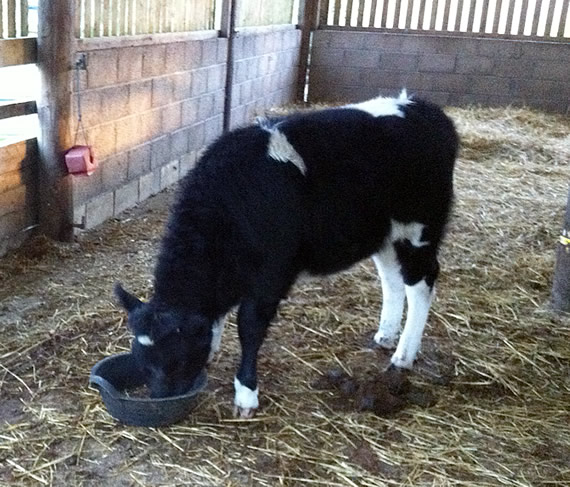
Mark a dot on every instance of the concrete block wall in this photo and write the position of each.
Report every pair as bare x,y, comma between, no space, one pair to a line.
265,71
353,66
148,109
18,193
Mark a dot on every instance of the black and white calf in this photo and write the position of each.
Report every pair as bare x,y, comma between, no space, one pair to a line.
313,192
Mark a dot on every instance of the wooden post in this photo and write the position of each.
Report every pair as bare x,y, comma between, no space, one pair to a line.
561,285
55,62
309,18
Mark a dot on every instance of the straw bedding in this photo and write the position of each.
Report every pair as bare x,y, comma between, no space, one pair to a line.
494,356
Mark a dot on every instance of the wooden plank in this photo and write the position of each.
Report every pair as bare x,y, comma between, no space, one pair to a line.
471,18
549,18
563,19
496,17
87,19
1,20
510,14
324,12
24,18
336,17
446,12
11,15
105,18
18,51
535,17
408,14
97,31
434,9
373,9
421,14
522,21
17,109
349,5
397,14
384,17
360,16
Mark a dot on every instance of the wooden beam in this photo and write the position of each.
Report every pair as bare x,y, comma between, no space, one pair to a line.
18,51
228,30
55,62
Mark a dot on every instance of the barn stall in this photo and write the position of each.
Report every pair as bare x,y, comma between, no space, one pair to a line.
492,376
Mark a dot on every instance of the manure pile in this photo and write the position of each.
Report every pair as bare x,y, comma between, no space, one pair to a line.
495,362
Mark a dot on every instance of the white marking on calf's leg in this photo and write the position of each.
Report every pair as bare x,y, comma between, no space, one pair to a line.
419,298
246,401
280,149
145,340
393,297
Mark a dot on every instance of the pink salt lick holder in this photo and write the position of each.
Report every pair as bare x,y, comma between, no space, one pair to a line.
80,159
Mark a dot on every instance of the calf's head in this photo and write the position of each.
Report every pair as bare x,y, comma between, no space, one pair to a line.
171,346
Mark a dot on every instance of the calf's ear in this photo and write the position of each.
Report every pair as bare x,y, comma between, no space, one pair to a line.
127,300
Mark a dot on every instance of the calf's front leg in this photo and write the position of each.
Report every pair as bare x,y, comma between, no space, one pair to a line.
253,320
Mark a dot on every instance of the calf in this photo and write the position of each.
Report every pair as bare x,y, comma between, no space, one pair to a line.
315,192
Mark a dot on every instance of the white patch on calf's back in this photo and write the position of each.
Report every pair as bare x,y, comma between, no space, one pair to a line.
145,340
383,107
280,149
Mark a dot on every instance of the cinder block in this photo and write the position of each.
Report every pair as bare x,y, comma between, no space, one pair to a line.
219,100
196,137
209,52
160,152
99,209
487,85
437,63
154,60
552,70
190,111
179,142
237,117
102,68
171,117
150,125
187,162
149,184
199,82
252,68
478,64
238,48
140,96
126,196
182,85
240,71
130,64
139,161
246,94
398,62
222,56
213,128
103,139
361,58
79,212
114,171
128,133
176,57
206,107
115,102
169,174
84,187
91,111
248,46
193,54
216,78
162,91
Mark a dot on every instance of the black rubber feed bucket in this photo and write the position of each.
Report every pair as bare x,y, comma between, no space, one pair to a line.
115,375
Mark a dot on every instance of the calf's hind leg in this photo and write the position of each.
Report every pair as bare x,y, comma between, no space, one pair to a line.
393,297
419,269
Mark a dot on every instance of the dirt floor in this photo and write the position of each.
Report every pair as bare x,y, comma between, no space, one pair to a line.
495,360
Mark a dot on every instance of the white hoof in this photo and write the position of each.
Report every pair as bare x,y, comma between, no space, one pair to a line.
246,401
